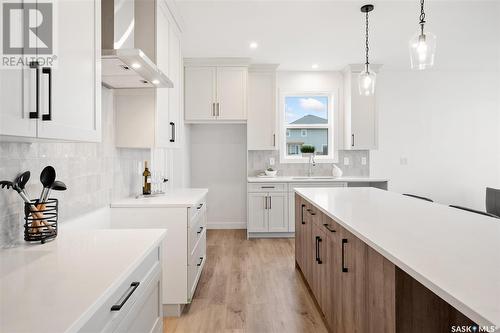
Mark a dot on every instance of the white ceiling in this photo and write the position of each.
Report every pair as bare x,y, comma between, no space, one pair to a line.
296,34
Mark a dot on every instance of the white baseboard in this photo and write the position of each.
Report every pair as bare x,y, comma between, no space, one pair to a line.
226,225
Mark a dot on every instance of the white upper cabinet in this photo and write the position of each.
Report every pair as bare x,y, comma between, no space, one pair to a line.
215,93
60,101
261,123
199,93
231,93
151,118
360,117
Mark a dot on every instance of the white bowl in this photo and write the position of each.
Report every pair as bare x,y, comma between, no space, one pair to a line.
271,173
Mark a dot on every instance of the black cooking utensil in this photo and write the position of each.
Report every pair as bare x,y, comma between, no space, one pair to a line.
47,178
5,183
56,186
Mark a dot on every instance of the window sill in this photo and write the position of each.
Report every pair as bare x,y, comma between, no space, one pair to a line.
305,160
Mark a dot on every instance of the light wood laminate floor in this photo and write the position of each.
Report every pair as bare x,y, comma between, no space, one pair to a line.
249,286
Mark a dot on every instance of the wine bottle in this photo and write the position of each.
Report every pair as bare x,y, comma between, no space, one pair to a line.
146,188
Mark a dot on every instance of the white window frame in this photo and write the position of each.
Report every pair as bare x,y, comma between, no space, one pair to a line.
302,133
332,156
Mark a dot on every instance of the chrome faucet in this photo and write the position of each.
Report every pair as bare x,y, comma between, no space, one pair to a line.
312,163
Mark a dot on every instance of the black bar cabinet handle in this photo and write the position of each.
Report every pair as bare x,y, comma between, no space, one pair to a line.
199,231
126,296
48,71
317,248
267,187
352,140
201,261
172,139
199,206
319,254
265,202
344,269
327,226
270,202
36,65
302,213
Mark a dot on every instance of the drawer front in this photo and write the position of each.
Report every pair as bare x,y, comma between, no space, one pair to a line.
146,314
267,187
195,266
105,320
196,230
200,207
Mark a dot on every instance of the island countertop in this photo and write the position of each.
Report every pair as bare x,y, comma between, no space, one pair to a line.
454,253
57,286
315,179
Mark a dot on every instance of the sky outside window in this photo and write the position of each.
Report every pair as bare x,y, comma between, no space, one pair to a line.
298,107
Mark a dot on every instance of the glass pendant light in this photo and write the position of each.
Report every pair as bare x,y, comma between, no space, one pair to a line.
422,45
366,79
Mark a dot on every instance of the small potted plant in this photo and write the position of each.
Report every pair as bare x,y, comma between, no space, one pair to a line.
307,149
271,172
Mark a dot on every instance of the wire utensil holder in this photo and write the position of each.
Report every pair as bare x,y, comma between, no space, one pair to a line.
40,220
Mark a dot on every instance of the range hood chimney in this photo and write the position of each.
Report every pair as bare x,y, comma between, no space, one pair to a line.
125,66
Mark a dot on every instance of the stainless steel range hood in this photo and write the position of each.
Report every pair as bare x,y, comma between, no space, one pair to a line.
125,66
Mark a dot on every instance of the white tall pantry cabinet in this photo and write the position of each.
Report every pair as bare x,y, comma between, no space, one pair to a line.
65,102
262,118
152,118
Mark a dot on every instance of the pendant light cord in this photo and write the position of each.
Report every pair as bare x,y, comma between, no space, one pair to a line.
422,16
367,44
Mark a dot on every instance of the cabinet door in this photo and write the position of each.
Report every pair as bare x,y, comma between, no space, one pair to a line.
14,116
333,305
353,267
261,123
362,118
299,232
199,93
319,266
278,221
175,93
257,212
76,79
231,93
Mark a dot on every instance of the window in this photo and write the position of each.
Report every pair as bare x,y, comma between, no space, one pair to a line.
307,119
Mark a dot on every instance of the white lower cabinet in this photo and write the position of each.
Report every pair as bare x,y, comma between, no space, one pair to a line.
271,207
267,208
184,251
136,305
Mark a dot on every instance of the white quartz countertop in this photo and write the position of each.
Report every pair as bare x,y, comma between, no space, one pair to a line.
57,286
317,179
178,198
454,253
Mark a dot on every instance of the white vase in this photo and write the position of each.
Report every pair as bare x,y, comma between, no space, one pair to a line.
336,172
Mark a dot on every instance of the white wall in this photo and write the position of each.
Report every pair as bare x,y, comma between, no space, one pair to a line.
446,124
218,162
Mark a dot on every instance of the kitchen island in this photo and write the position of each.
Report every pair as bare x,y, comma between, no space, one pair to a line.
80,281
379,261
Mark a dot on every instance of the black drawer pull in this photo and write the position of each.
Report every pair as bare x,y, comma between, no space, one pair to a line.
302,213
125,297
48,71
199,207
201,261
327,226
319,254
199,231
316,248
172,138
267,187
344,269
36,65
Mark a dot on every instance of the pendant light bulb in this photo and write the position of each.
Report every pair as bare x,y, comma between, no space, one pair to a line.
366,82
367,78
422,45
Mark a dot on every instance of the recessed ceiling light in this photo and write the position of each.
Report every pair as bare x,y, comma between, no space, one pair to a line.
314,66
155,82
136,65
253,45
